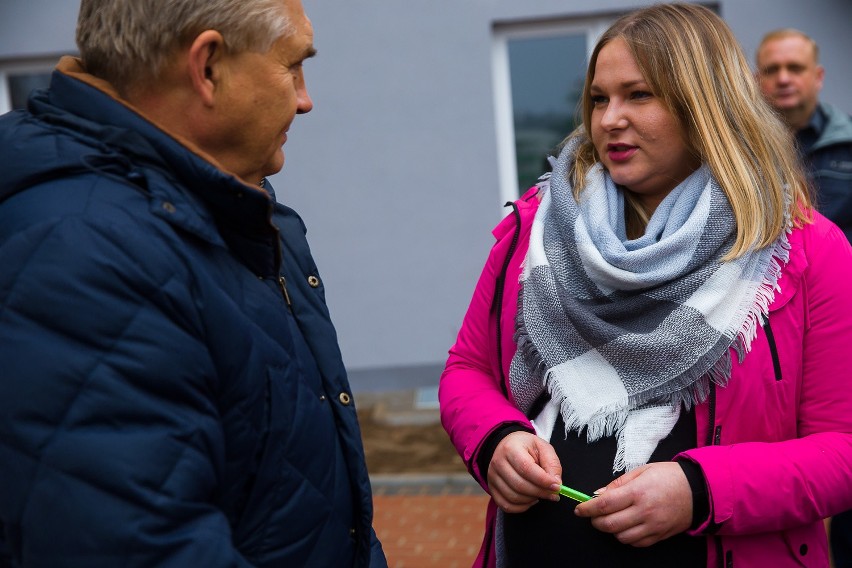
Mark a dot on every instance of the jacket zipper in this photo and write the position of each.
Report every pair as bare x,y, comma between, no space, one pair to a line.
712,404
773,348
498,295
282,283
714,438
498,305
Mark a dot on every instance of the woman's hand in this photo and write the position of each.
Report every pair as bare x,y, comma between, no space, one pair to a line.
643,506
523,469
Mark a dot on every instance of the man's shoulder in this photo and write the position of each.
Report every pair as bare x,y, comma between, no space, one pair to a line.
104,200
89,221
55,162
838,127
834,113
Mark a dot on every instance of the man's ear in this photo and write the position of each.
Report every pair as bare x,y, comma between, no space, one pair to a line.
204,64
820,72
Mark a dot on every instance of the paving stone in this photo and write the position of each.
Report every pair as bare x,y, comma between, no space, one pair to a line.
430,528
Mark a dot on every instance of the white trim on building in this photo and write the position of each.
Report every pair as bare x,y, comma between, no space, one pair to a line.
10,68
592,28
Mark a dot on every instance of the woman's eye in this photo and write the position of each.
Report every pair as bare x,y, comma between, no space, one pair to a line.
641,95
598,99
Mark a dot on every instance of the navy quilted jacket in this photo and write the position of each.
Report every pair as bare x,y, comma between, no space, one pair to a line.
171,388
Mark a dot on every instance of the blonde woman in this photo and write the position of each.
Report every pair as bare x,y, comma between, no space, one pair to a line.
659,324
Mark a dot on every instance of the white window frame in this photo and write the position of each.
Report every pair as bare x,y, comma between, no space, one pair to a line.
502,86
12,67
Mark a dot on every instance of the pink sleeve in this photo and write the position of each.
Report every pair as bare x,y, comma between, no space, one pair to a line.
762,486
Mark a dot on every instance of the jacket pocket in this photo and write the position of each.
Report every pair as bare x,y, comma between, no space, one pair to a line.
807,545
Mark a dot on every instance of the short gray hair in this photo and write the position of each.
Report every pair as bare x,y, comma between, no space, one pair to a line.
125,41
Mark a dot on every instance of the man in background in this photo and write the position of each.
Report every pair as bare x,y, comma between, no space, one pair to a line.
791,78
171,388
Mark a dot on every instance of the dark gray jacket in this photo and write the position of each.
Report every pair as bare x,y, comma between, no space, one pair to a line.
829,163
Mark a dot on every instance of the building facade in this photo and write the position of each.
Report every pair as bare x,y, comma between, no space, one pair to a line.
429,115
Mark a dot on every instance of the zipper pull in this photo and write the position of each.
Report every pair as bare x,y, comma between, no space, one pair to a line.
282,283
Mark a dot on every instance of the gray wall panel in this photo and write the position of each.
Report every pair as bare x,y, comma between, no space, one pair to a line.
35,28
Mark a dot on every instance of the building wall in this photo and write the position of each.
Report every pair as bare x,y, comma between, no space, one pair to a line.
34,28
396,171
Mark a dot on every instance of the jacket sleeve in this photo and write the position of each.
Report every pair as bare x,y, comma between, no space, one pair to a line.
758,487
110,441
472,400
377,553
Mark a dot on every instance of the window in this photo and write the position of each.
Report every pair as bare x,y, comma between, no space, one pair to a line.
539,70
17,80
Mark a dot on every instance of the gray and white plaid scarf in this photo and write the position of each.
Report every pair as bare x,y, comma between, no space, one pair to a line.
621,332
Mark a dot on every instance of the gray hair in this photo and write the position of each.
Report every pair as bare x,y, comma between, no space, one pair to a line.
126,41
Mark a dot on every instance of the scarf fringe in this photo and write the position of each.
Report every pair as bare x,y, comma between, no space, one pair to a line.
772,271
619,464
606,422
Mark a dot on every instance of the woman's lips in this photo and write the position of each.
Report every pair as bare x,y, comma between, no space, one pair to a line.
620,152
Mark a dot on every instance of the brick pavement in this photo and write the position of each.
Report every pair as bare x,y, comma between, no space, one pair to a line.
426,522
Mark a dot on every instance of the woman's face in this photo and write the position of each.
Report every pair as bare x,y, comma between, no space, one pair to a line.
638,140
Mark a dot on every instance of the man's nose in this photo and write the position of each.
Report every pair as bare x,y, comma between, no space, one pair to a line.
304,103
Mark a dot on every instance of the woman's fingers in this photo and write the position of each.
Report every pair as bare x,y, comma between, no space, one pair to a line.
645,506
516,476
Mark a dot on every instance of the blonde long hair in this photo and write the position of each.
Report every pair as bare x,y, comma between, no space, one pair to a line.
692,61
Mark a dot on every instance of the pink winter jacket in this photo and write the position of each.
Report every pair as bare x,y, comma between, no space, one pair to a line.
775,445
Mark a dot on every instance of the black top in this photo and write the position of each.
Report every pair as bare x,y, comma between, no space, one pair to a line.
549,534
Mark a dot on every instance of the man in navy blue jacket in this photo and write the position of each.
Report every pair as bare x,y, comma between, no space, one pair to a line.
171,388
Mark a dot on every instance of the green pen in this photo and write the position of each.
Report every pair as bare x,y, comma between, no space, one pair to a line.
573,494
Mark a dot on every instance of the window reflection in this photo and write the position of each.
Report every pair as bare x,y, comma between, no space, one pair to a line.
547,75
21,84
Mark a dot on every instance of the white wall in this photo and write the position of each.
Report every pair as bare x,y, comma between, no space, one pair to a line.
34,28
